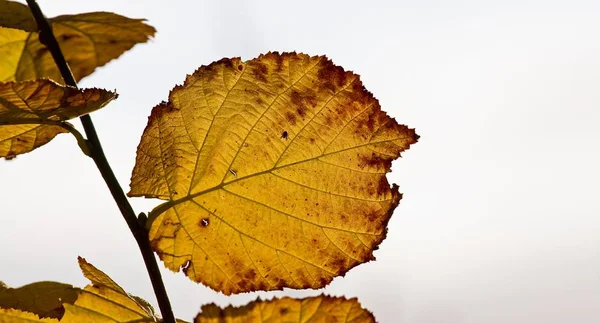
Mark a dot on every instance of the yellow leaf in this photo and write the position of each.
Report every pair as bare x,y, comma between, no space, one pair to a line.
32,112
103,301
12,43
274,171
312,309
19,139
87,40
10,315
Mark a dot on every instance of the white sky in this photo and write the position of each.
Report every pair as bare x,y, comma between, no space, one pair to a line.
500,216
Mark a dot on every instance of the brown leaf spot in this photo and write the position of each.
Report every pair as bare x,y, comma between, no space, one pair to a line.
244,285
228,63
331,76
65,37
283,310
371,122
240,67
307,97
339,264
280,283
260,70
290,117
211,71
374,161
373,217
262,286
323,281
301,111
250,274
279,59
382,186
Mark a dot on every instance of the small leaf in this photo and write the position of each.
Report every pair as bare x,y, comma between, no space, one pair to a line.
312,309
19,139
103,301
42,298
16,15
105,291
10,315
87,40
274,171
12,44
45,100
31,112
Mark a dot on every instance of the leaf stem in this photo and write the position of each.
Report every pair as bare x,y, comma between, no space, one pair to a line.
82,142
96,152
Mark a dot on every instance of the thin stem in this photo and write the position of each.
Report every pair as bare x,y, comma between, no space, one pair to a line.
82,142
139,232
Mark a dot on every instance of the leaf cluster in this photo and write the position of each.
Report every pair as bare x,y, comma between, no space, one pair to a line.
272,171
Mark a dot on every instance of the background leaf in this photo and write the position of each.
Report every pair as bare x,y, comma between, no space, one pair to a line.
16,15
31,112
12,44
20,139
274,171
312,309
87,40
103,301
44,299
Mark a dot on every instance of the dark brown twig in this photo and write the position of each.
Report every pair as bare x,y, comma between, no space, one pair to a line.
97,154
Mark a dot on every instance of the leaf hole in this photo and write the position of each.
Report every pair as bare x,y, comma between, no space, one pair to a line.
204,222
186,266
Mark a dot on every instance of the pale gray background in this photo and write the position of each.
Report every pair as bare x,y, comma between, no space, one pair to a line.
500,217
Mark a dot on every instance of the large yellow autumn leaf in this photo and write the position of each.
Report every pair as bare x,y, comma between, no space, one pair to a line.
33,112
274,172
87,40
102,301
311,309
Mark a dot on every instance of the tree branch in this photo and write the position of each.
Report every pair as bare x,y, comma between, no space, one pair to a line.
97,154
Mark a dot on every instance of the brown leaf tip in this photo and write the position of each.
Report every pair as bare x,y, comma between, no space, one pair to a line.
159,110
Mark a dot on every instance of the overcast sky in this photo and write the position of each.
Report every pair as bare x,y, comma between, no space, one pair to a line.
500,218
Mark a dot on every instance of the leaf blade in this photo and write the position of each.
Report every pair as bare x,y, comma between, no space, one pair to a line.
16,15
253,159
102,301
320,308
31,112
87,40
